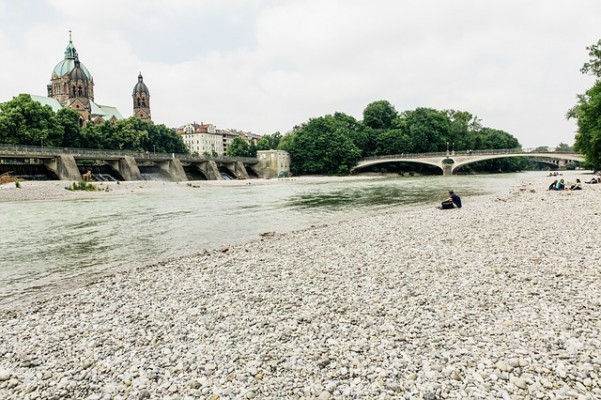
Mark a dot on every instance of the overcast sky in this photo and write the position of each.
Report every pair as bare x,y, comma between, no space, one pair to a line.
267,65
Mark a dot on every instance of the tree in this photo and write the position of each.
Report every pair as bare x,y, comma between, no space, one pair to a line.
428,130
463,127
587,112
269,142
588,136
286,142
161,139
563,148
380,115
69,119
239,148
27,122
322,146
593,66
393,141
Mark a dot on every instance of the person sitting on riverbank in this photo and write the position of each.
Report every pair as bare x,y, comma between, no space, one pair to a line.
553,185
593,180
577,185
560,185
454,201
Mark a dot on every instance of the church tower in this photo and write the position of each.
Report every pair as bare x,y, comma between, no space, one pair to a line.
141,98
72,85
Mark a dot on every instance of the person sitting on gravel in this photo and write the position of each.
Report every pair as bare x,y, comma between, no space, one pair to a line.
577,185
454,201
553,185
560,185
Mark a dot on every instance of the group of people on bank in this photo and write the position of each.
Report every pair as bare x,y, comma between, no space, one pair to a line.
561,185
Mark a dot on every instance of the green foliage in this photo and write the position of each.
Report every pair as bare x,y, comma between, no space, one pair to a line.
380,115
587,112
82,185
161,139
240,148
27,122
322,146
287,141
69,120
269,142
563,148
428,130
393,141
593,66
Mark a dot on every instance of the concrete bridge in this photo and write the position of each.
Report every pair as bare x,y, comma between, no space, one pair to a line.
70,163
449,162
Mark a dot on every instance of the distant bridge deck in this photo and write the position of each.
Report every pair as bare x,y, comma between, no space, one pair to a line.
450,161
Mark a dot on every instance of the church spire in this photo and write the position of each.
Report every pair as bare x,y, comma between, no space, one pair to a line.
141,98
70,52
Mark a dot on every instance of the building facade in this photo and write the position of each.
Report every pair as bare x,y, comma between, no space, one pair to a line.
202,139
206,139
274,163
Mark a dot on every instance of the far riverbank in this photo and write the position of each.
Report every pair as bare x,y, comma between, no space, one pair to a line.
53,190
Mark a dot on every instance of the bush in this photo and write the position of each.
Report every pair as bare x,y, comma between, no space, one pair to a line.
82,185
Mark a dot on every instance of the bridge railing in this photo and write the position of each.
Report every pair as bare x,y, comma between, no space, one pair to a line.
464,153
9,149
23,149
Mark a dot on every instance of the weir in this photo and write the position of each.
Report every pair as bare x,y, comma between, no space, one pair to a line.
71,164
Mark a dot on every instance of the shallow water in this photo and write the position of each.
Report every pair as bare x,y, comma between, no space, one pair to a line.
44,243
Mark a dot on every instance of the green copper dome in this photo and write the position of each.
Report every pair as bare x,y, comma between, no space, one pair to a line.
68,64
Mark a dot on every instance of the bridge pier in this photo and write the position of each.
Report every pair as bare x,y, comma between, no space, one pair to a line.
447,169
64,167
174,169
127,168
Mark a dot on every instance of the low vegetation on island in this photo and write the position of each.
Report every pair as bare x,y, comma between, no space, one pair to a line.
82,185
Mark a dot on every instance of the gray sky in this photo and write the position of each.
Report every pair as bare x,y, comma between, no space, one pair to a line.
268,65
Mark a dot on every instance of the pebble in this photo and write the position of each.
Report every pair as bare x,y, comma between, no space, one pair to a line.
498,300
4,375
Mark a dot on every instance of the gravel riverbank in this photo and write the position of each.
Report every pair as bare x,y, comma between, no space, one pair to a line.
501,299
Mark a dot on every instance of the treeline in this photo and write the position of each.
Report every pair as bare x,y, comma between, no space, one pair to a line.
24,121
332,144
587,112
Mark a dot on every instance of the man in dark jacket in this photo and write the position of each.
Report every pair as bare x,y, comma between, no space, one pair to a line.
454,201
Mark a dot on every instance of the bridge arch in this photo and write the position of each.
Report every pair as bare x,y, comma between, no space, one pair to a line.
450,162
371,163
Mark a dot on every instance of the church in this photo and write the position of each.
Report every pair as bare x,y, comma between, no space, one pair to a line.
72,86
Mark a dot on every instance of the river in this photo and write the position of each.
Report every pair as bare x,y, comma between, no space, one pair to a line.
47,243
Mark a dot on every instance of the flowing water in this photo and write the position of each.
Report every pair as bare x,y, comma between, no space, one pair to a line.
46,243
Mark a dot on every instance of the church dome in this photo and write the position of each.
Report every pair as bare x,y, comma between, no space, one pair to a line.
69,63
140,86
78,73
